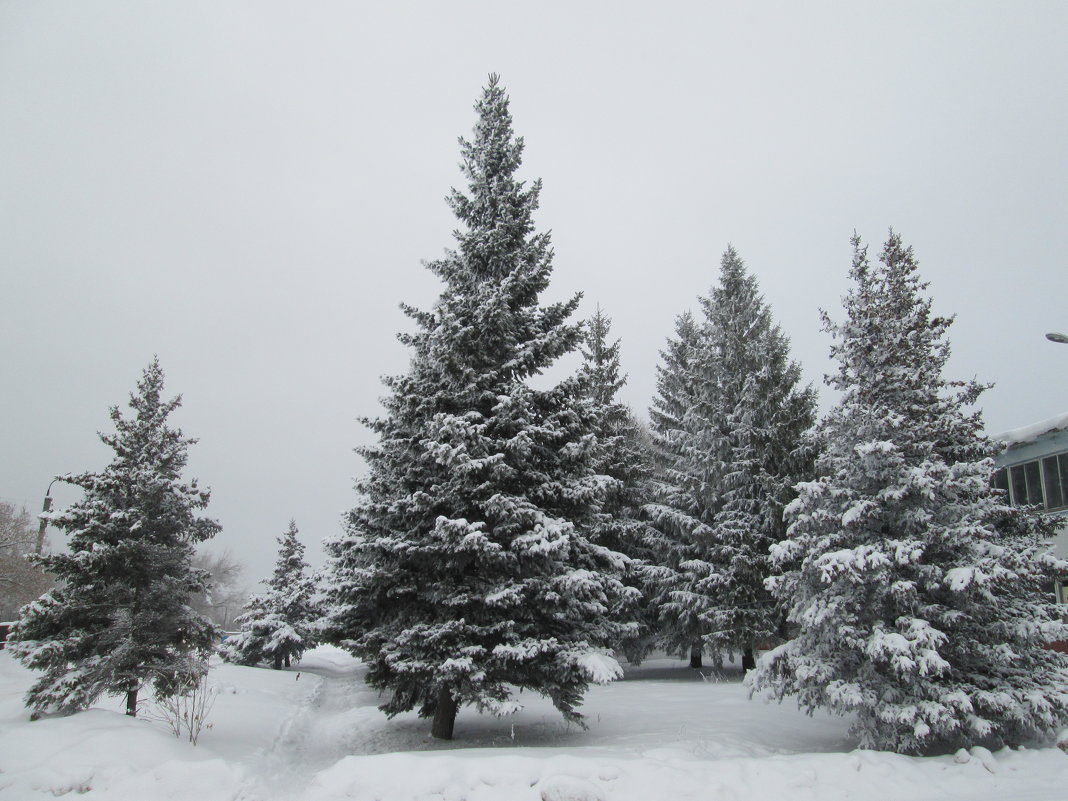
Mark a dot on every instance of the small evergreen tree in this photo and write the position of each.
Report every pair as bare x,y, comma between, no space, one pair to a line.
465,572
279,625
120,617
622,457
917,591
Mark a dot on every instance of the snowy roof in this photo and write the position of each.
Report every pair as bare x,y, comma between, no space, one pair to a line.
1018,436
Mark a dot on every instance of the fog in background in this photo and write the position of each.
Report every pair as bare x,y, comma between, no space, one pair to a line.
248,188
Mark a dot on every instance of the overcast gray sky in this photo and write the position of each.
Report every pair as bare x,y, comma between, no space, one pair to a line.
247,188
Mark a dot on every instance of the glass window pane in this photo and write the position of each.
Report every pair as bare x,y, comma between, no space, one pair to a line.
1019,485
1062,461
1034,482
1034,473
1054,495
1001,481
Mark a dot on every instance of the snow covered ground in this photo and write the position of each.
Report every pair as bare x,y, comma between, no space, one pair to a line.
313,733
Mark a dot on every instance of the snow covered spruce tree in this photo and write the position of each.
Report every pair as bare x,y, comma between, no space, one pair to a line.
757,425
732,451
120,617
917,592
465,572
278,626
622,456
679,496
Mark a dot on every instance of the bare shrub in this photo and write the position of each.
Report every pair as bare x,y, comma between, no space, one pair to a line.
185,708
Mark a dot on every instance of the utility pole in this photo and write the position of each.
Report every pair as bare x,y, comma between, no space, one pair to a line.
44,520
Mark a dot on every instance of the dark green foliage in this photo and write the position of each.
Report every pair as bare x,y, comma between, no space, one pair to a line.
917,592
623,458
761,414
120,617
729,426
278,626
465,571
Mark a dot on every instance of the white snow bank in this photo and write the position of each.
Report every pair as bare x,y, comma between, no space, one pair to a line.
99,754
1018,436
313,733
666,774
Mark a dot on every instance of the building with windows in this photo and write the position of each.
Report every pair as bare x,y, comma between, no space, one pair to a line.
1033,469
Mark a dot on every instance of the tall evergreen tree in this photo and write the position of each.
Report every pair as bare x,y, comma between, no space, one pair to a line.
622,457
680,509
759,418
120,618
730,420
278,626
465,572
916,590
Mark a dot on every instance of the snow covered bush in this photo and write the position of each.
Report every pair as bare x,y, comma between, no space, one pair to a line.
184,702
120,617
917,592
465,572
279,625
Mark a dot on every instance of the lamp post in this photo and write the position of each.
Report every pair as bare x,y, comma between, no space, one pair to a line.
45,510
1061,339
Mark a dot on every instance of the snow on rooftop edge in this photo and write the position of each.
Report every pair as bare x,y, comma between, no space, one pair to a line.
1028,433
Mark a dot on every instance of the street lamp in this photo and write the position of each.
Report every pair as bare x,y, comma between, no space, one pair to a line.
1053,336
47,508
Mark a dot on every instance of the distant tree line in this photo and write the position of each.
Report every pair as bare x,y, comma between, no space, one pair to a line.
20,579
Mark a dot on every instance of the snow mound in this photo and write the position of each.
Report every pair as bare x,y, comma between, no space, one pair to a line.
569,788
1024,434
320,737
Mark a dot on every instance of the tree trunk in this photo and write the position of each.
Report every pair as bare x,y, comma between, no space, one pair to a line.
287,660
444,715
695,656
131,702
748,660
278,662
784,628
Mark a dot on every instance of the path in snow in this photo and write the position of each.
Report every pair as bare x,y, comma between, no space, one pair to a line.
323,728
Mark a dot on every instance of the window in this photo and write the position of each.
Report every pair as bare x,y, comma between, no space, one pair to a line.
1026,480
1062,461
1018,485
1033,475
1042,482
1054,482
1063,466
